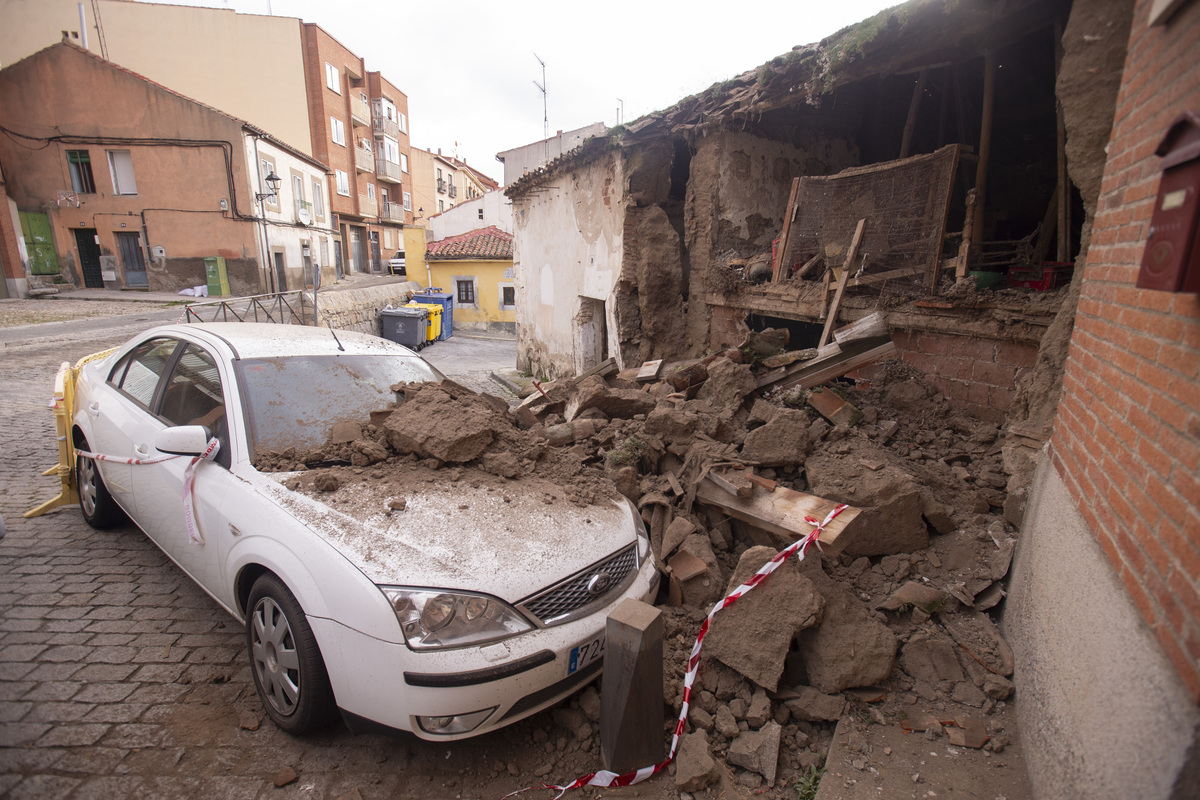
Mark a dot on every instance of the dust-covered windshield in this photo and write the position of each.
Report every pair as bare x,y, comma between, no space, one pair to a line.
296,401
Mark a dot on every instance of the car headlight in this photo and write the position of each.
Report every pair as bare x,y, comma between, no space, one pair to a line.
432,619
643,535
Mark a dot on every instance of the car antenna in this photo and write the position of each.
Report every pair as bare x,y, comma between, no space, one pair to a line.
335,338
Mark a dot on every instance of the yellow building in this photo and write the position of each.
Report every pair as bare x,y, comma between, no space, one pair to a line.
476,268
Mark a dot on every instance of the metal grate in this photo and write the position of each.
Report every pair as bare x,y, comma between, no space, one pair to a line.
556,604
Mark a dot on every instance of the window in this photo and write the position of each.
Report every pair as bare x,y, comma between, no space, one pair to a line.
120,164
508,297
441,206
333,78
362,96
337,130
466,291
403,162
439,174
80,164
343,183
266,167
370,191
391,150
408,201
318,200
481,213
138,373
402,121
298,193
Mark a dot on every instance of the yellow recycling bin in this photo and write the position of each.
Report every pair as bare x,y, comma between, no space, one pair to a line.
435,319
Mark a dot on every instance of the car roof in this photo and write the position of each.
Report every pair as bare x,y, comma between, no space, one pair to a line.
270,340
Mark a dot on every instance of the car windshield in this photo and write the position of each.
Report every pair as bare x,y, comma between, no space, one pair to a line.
295,401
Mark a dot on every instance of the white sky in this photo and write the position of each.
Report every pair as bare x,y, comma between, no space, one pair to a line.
468,66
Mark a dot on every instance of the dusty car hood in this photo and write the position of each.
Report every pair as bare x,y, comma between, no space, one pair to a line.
460,537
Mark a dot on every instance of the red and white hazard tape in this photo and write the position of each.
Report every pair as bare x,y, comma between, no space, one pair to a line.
189,479
607,778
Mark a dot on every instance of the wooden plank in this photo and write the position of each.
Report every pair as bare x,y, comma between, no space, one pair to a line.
914,110
781,512
828,370
603,369
964,249
733,482
847,267
781,252
649,371
880,277
874,324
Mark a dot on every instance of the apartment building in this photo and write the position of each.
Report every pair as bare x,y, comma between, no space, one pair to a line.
359,128
440,182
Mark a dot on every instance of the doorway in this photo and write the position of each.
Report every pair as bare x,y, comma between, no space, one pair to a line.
376,257
130,245
89,257
591,334
280,271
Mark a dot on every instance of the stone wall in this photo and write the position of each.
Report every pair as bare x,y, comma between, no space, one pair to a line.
359,309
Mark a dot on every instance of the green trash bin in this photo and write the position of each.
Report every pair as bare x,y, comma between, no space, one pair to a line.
218,277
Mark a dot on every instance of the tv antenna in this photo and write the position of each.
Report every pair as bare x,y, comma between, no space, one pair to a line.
621,112
545,113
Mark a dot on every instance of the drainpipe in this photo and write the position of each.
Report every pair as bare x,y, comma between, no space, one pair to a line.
82,26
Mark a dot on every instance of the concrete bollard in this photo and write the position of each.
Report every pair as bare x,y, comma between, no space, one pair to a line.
631,692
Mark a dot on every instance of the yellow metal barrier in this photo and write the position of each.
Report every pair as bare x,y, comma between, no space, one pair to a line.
64,409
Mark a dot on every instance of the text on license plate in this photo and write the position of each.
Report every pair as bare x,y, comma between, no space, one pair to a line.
585,654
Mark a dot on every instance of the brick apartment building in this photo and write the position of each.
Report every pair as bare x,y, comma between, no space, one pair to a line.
359,127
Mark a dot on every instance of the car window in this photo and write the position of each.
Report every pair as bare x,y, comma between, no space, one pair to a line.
193,396
296,401
138,373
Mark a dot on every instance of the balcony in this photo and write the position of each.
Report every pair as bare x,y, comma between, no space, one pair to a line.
441,185
386,126
368,206
453,190
360,111
364,159
391,212
387,170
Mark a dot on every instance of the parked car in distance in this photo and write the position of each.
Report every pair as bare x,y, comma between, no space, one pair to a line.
441,622
396,263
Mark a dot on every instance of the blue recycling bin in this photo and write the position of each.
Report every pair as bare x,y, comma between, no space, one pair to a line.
446,300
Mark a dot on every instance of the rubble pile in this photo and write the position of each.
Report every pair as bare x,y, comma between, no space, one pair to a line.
889,628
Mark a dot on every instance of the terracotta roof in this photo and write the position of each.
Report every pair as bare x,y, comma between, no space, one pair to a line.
484,243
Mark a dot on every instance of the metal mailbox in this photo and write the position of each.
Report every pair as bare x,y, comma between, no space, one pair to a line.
1171,260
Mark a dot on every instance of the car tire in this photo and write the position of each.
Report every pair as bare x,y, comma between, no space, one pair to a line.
285,660
98,507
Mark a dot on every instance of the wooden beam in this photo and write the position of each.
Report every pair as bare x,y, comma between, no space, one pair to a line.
1064,180
880,277
781,512
826,370
964,249
631,704
985,142
914,110
847,267
781,253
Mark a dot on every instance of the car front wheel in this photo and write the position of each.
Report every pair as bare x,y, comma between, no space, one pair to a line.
99,509
288,670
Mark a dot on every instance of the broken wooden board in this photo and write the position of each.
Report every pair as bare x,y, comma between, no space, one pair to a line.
815,372
782,512
869,327
779,269
847,268
649,371
604,369
733,481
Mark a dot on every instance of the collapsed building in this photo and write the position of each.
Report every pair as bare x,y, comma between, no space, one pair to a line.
944,164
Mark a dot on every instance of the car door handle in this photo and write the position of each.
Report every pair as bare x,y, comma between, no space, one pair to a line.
94,410
141,451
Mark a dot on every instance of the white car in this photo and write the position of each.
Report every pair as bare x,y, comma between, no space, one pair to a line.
435,620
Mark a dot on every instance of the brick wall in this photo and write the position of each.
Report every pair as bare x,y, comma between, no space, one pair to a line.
1127,437
977,375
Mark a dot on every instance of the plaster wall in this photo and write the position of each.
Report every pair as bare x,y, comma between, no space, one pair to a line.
529,157
567,247
212,55
1102,713
488,277
464,217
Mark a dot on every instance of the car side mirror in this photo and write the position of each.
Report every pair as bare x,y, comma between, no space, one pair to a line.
184,440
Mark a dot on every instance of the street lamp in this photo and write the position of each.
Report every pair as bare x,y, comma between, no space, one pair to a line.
272,181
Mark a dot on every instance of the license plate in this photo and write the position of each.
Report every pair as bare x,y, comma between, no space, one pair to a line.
585,654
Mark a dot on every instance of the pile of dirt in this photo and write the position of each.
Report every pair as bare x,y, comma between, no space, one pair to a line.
894,630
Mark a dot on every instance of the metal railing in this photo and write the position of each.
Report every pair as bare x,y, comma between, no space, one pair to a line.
453,190
284,308
441,185
391,211
388,170
381,124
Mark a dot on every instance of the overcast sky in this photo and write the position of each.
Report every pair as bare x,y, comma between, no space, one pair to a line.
469,66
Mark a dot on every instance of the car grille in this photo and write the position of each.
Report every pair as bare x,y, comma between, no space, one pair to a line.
558,603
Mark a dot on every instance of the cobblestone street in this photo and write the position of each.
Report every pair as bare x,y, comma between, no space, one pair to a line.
120,678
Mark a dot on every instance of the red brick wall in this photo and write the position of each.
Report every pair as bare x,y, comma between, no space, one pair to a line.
1127,438
977,375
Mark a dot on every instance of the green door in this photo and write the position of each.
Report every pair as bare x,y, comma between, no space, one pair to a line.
40,243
